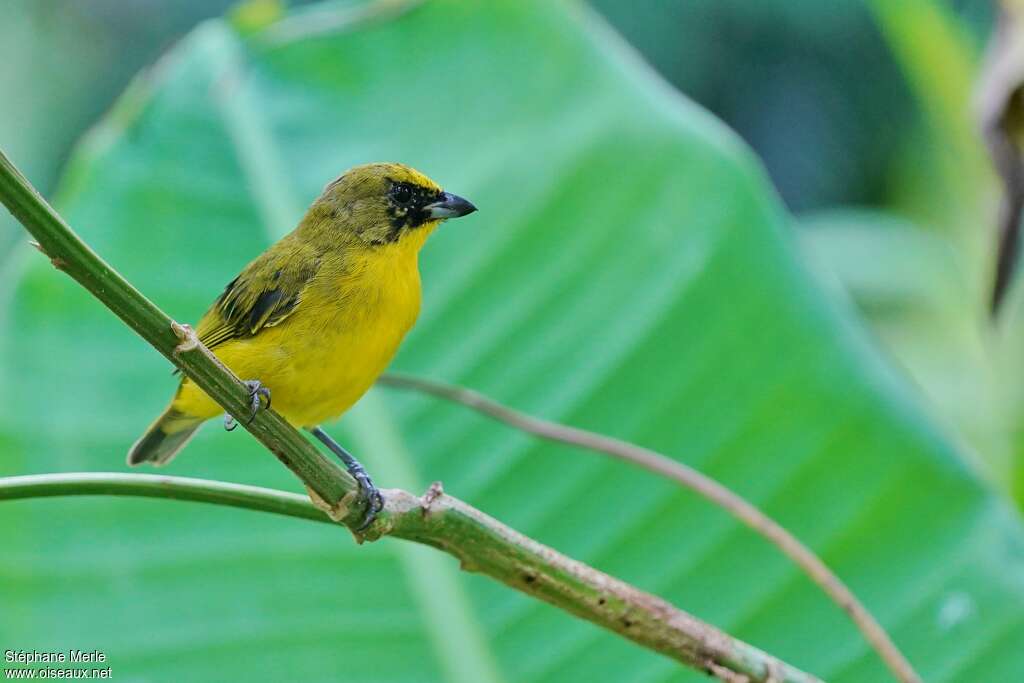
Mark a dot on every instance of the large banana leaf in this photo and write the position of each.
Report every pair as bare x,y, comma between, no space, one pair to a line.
630,271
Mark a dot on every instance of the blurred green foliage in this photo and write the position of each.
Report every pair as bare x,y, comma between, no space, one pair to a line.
688,324
631,271
812,86
920,269
62,63
788,75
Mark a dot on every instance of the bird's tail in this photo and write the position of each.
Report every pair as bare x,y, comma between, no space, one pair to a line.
164,438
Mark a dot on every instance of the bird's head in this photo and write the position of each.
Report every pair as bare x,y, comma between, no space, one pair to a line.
386,203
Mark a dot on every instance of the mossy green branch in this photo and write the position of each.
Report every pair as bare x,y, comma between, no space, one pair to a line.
480,542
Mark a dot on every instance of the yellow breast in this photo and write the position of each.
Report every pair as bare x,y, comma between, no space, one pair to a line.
321,359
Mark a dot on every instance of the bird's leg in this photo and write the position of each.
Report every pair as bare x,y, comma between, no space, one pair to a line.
374,501
229,422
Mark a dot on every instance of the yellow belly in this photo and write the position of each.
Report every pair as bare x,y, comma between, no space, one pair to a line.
321,359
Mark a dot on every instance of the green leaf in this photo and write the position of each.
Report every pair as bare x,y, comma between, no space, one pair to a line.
629,271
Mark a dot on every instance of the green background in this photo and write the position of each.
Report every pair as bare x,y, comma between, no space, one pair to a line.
632,270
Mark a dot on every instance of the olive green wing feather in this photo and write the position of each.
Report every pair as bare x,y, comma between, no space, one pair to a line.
264,294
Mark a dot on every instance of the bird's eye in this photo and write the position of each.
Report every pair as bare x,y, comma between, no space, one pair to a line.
402,194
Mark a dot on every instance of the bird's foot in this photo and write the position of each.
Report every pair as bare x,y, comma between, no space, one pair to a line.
259,399
367,491
257,394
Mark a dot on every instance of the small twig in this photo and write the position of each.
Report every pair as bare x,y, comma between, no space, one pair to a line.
691,479
160,486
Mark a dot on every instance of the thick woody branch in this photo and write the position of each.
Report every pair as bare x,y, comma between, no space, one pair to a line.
481,543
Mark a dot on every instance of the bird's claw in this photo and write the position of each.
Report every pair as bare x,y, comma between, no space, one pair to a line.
257,393
259,399
374,500
367,491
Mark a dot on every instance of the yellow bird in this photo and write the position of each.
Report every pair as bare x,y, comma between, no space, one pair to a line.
315,319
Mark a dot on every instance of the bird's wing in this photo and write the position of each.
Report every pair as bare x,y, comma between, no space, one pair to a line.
263,295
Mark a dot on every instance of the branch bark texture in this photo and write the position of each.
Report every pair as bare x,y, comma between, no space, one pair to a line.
480,542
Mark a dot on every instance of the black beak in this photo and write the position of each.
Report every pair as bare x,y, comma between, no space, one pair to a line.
450,206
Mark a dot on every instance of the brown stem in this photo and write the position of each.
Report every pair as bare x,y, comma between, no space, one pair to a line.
691,479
